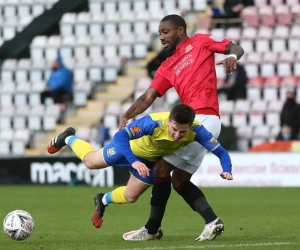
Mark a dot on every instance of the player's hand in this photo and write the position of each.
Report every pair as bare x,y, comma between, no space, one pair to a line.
226,176
229,64
141,168
123,122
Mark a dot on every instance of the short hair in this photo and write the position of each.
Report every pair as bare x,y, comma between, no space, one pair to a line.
182,114
178,21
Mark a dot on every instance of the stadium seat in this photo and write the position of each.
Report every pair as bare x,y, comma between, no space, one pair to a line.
34,122
267,69
267,15
9,11
243,145
244,132
140,50
295,31
262,45
199,5
256,118
262,131
278,45
239,119
270,93
247,45
276,2
259,106
253,92
251,70
225,119
4,147
283,90
226,107
185,5
17,147
67,24
110,121
95,7
5,122
287,56
275,129
113,108
265,32
275,106
283,15
23,10
249,33
169,5
242,106
37,9
284,69
250,14
293,44
255,58
292,2
296,69
272,118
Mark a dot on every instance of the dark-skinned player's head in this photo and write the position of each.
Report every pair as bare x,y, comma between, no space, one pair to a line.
172,30
180,121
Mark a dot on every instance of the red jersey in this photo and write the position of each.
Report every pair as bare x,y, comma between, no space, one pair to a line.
191,71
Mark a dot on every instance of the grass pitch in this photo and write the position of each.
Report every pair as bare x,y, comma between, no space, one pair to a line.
255,218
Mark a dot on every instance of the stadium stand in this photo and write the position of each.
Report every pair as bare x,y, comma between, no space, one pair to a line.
107,48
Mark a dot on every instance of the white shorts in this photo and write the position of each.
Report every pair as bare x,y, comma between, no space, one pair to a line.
191,156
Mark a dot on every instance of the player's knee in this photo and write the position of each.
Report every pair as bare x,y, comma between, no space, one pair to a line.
179,176
162,169
131,199
90,163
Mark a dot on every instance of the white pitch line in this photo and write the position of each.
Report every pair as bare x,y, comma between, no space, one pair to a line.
215,246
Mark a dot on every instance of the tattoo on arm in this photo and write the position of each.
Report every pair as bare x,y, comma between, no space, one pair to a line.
141,104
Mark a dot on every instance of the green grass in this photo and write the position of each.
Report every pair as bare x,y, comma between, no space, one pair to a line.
255,218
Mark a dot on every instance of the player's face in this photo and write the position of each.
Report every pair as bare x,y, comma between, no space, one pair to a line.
177,131
169,35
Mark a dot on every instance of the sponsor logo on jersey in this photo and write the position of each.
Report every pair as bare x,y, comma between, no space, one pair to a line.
135,130
216,38
188,48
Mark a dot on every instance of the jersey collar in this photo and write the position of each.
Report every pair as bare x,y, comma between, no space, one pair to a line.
178,47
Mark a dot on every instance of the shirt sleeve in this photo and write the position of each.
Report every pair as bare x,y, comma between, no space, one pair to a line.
207,140
134,130
213,43
160,83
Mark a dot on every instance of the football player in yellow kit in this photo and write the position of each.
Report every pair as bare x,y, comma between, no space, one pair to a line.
139,145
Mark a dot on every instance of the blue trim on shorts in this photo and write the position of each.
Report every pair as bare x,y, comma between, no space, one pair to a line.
114,157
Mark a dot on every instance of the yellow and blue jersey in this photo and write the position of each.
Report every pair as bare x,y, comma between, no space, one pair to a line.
148,138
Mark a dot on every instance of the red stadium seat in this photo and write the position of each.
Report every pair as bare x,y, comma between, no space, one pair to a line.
283,14
267,15
272,81
251,16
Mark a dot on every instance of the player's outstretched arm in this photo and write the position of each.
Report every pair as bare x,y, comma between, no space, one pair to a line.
234,53
139,106
207,140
